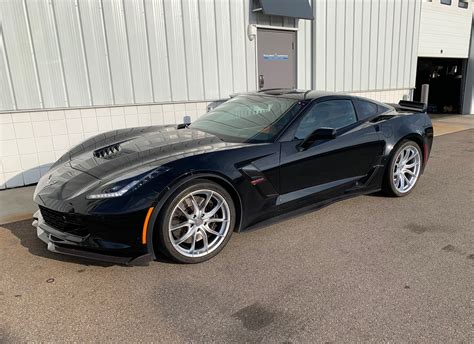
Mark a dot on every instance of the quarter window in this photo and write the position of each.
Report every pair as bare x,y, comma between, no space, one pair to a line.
446,2
366,109
329,114
463,4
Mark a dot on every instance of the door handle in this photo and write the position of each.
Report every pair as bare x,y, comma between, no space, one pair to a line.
261,81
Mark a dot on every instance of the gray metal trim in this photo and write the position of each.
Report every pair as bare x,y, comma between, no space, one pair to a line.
127,39
83,48
107,53
58,48
167,49
185,55
7,64
152,88
295,8
33,55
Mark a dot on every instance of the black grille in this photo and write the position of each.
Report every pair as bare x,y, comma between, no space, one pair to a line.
64,222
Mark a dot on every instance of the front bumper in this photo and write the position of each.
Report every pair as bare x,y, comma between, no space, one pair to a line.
75,245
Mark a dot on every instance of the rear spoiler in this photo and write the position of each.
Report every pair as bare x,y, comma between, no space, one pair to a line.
406,105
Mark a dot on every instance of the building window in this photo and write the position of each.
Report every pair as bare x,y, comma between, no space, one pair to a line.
463,4
446,2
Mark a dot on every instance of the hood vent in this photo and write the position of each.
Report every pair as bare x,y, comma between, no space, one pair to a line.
108,152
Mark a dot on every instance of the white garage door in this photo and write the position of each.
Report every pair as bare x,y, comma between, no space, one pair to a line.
445,28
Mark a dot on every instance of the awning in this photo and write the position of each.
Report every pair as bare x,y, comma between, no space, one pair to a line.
286,8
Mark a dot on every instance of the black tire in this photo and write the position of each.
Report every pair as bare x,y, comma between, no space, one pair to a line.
161,232
388,186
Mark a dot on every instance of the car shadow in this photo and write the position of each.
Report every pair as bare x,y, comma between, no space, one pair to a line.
378,194
24,231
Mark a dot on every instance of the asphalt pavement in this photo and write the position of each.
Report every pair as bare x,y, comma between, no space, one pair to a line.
368,269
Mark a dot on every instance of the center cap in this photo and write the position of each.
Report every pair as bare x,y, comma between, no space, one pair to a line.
199,222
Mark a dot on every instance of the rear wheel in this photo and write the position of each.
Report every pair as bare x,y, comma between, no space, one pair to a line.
403,170
196,222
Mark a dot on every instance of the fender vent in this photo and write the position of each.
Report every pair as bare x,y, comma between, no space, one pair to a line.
107,152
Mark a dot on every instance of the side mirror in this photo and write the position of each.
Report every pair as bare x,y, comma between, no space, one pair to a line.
318,134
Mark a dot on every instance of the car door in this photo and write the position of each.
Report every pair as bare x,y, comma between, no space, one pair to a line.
331,165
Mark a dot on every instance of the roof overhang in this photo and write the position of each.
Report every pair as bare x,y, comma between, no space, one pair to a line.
285,8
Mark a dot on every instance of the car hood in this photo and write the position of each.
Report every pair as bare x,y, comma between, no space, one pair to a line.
108,156
126,149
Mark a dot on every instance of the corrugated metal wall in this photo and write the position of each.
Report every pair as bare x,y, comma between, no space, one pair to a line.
365,45
71,53
82,53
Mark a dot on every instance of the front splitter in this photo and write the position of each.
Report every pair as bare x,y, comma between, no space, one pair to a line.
49,235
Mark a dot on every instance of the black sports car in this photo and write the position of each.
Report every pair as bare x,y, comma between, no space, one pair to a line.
128,194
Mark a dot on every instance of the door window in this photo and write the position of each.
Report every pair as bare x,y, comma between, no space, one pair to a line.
329,114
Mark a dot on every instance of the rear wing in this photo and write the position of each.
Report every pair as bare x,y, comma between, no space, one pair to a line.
406,105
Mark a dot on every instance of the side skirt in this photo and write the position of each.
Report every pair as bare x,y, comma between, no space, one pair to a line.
304,210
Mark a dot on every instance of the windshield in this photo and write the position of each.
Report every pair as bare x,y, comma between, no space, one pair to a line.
247,118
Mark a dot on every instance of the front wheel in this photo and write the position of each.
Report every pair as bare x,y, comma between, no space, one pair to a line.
196,222
403,170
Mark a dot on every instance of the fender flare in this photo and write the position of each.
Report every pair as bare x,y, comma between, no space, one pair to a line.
165,195
416,137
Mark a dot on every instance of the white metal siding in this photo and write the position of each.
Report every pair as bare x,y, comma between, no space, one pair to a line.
96,53
137,38
22,62
365,45
119,54
80,53
158,45
48,56
72,53
445,28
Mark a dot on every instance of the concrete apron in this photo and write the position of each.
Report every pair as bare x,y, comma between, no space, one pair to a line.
447,124
17,204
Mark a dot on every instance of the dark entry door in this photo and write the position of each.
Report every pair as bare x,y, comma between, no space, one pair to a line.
276,59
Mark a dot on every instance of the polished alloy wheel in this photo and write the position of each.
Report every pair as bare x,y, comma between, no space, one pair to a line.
406,169
199,223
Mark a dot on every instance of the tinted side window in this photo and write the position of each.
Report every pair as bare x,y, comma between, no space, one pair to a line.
366,109
382,109
331,114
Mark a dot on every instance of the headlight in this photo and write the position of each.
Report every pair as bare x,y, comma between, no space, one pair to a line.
119,188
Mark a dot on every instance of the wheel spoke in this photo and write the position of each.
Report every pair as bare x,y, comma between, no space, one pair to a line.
407,182
402,183
403,157
186,236
178,226
195,205
204,240
193,245
410,172
215,219
214,210
411,165
209,230
206,201
185,213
